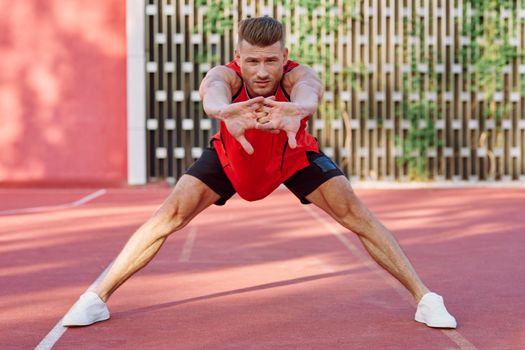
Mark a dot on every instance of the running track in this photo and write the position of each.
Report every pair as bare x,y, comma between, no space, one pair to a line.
266,275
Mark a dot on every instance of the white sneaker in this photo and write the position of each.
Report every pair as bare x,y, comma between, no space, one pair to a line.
87,310
432,311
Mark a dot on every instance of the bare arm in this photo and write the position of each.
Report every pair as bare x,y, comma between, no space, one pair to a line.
216,95
306,92
216,90
306,89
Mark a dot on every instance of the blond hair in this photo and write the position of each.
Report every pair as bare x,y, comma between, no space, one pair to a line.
261,31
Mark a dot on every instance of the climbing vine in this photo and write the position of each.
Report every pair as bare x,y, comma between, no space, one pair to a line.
490,50
416,108
486,50
315,24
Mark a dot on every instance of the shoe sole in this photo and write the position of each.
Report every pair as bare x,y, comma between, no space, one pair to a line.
435,325
78,324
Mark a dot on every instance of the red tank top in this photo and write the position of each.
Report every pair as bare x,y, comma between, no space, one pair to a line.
273,161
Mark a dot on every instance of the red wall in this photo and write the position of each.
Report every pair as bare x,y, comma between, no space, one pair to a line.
62,92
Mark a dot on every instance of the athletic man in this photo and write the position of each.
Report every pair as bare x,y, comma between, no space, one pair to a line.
263,101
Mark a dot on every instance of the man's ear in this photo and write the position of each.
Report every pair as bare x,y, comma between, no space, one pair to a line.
237,55
285,55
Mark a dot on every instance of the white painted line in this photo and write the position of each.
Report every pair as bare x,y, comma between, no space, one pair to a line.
365,260
74,204
459,339
452,334
379,185
52,337
188,245
58,331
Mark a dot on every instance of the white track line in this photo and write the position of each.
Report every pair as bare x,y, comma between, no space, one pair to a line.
188,245
74,204
453,335
436,185
58,331
358,254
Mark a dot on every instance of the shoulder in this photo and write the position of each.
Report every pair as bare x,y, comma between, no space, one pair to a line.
295,72
225,74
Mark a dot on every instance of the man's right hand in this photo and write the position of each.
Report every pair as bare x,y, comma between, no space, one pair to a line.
241,116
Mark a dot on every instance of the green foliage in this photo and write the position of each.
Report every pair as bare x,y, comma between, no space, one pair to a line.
419,112
312,21
488,51
216,19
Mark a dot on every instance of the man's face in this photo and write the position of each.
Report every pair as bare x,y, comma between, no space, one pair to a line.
261,67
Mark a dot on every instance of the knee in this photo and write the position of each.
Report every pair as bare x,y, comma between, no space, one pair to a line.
170,218
345,207
353,215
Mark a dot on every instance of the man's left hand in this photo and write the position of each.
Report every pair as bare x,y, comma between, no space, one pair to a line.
284,116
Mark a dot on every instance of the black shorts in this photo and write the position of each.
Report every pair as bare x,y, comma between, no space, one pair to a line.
209,170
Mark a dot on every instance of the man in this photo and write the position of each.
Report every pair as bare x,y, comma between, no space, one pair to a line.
263,101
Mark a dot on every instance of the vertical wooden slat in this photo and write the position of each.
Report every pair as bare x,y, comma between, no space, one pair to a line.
493,145
332,42
398,86
231,35
163,86
440,86
498,142
370,116
449,110
187,73
521,104
502,135
157,82
169,66
430,83
192,85
473,130
463,105
179,35
508,129
203,133
405,77
325,116
433,32
346,81
318,125
366,104
361,106
424,77
514,87
355,49
376,78
389,117
458,104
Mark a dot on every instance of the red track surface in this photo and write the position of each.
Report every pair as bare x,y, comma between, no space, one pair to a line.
266,275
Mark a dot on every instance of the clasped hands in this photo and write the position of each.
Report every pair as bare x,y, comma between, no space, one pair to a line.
263,114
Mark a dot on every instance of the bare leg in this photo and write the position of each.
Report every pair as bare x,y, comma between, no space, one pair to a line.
337,198
189,197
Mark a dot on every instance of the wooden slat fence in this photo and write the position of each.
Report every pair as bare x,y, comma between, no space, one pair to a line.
400,102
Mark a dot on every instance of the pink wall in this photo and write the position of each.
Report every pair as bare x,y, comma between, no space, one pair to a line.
62,92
